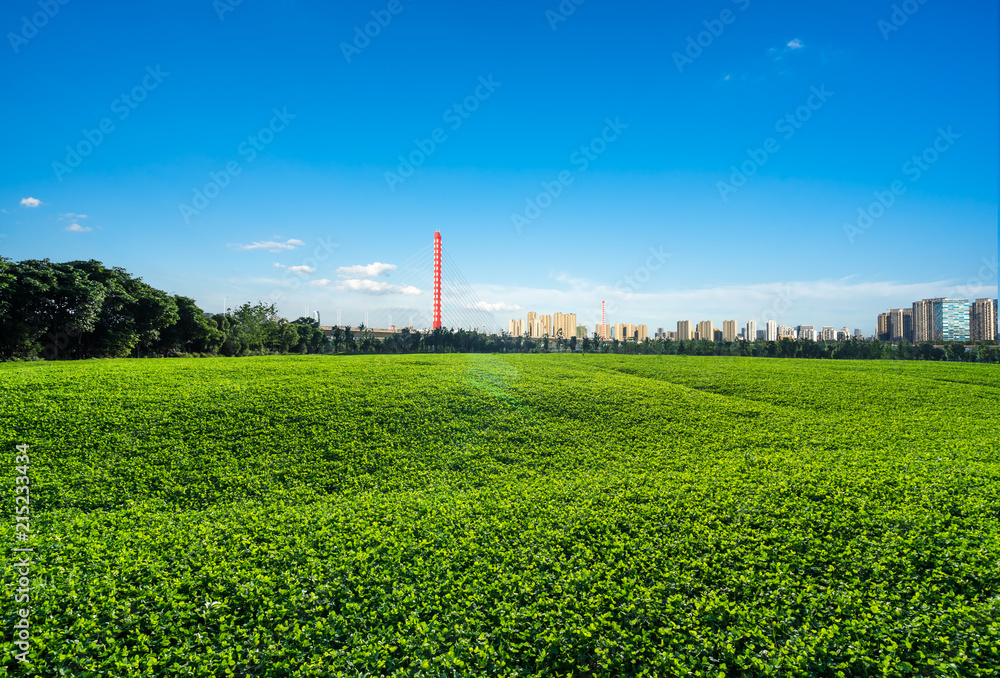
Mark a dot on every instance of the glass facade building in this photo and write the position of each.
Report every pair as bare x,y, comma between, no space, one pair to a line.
951,320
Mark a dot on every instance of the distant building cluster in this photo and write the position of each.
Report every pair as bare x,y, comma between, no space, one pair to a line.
538,326
940,319
564,325
772,331
926,320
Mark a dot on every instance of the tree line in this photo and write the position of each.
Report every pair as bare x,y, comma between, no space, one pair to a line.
82,309
462,341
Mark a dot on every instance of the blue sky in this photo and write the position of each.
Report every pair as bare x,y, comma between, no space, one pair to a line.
296,128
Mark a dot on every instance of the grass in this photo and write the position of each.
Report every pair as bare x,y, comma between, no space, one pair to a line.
507,515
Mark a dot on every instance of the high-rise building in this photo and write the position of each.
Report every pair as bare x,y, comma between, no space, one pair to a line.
951,320
786,331
806,332
603,330
857,333
516,327
827,333
771,330
566,322
941,319
923,319
882,324
641,332
684,330
843,334
983,320
660,333
900,324
546,324
750,333
706,330
729,330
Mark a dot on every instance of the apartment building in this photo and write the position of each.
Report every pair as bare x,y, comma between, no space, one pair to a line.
923,319
983,320
729,330
565,323
900,324
882,326
771,330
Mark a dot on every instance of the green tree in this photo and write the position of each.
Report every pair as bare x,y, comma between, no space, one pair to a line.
192,332
47,307
252,323
955,350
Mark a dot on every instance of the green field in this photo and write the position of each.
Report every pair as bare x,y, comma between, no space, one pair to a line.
480,515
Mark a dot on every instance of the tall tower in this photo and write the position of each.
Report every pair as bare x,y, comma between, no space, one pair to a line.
437,279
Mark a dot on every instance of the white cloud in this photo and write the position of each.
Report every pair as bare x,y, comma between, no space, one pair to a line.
779,52
322,282
77,228
271,245
297,269
375,287
366,271
71,216
498,306
31,202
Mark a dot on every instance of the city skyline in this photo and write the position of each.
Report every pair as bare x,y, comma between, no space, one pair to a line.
806,151
936,319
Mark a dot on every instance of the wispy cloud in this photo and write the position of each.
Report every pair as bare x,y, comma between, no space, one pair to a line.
271,245
373,270
71,216
31,202
297,269
835,301
322,282
375,287
498,306
77,228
